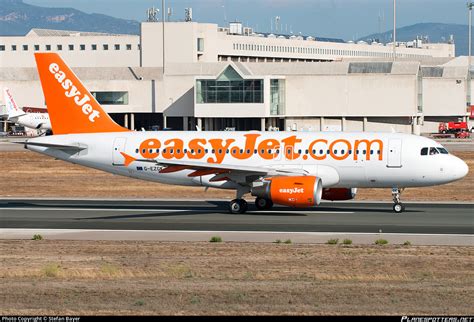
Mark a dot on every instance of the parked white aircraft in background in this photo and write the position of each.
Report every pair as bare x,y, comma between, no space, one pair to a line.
286,168
38,121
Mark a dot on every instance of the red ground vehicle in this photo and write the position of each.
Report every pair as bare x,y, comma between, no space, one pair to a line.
459,129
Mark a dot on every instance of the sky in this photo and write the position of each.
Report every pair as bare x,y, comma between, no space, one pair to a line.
346,19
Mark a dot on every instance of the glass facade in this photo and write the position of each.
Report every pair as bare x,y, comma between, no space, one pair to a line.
229,88
420,92
200,44
241,91
277,96
111,98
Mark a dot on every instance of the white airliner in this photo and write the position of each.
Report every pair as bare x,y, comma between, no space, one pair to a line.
285,168
38,121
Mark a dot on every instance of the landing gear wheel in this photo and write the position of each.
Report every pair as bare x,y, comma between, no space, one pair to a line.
238,206
398,208
263,204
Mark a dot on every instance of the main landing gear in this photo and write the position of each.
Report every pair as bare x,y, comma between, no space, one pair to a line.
240,206
398,207
263,204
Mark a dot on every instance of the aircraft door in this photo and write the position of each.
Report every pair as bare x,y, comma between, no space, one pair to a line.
277,153
119,146
394,159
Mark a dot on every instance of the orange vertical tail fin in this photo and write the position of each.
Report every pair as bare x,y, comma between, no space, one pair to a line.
71,108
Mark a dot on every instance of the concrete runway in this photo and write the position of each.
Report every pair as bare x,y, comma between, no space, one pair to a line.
213,216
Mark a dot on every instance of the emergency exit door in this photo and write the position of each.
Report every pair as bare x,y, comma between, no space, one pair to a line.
119,146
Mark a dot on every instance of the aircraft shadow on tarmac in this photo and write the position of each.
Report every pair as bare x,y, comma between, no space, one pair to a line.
221,208
212,207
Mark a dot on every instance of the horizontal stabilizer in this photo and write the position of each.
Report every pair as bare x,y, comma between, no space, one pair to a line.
12,109
53,146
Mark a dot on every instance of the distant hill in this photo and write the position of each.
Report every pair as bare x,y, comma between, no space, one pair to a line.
17,18
436,32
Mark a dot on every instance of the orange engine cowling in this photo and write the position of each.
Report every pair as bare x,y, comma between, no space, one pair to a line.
304,191
339,194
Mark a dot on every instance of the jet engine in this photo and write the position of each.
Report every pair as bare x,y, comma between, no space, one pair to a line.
304,191
339,194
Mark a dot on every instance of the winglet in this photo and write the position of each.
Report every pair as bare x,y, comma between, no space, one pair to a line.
128,159
71,108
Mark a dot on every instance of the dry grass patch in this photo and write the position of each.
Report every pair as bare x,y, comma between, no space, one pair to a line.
125,277
52,270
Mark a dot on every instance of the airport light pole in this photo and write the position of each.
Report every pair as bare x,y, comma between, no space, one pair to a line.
394,29
470,5
163,29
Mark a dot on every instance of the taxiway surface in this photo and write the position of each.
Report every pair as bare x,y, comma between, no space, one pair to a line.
354,217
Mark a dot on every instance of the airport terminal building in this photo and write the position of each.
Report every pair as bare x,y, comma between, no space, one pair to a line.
195,74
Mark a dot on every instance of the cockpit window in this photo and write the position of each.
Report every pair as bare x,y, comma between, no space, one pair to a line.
442,151
433,151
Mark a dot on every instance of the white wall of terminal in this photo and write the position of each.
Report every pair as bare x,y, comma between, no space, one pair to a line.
106,50
89,50
318,95
181,46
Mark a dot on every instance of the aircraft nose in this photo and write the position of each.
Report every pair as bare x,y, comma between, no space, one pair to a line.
459,168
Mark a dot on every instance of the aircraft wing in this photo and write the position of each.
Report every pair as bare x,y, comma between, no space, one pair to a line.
224,172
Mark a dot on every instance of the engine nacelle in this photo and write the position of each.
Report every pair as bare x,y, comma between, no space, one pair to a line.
304,191
339,194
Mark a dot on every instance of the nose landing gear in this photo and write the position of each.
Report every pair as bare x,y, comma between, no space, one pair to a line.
398,207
